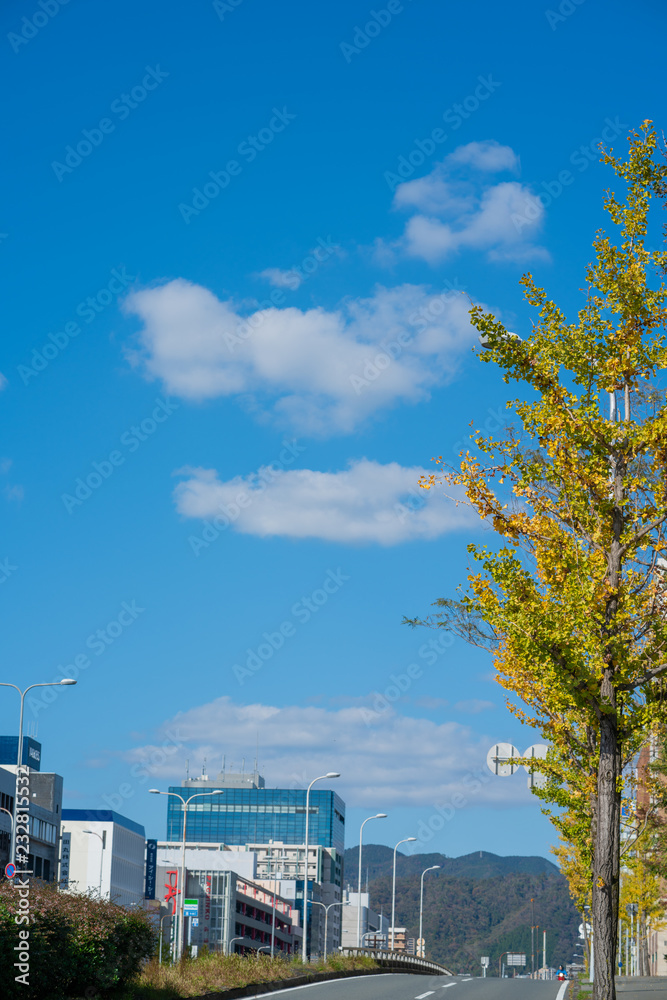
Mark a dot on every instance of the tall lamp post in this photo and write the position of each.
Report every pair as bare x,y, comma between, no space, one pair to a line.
361,833
340,902
304,945
421,907
186,803
393,888
19,756
99,836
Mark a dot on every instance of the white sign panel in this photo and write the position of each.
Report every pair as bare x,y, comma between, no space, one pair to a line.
499,759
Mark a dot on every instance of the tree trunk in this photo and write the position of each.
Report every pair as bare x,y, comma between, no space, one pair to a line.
644,964
607,862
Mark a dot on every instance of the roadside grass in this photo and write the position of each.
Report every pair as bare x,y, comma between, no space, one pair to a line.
211,973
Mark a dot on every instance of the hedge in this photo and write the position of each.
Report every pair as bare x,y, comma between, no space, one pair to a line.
78,947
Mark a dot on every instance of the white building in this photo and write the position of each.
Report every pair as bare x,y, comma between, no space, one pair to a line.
102,854
374,926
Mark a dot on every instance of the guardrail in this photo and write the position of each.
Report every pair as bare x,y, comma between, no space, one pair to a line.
399,960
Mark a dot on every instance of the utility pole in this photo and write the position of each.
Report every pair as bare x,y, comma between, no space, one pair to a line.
532,937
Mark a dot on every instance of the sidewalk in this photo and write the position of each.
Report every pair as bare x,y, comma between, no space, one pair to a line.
642,987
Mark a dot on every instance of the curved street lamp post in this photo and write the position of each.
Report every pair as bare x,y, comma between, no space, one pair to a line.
421,909
361,832
393,888
304,947
65,682
186,803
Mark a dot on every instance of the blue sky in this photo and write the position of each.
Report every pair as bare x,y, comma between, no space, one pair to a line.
235,242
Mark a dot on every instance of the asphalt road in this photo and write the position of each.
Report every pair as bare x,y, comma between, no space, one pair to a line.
395,986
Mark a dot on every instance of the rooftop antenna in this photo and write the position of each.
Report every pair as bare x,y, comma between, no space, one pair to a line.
187,768
203,769
243,766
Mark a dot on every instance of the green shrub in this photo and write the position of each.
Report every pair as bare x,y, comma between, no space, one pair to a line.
79,947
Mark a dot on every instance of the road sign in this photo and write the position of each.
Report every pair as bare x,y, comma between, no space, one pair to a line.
10,870
499,759
191,907
195,921
485,961
515,959
538,751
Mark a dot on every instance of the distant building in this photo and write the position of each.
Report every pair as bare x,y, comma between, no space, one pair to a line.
374,926
108,861
401,941
270,822
46,795
233,912
31,752
249,813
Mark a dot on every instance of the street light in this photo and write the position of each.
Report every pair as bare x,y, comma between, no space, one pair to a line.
421,908
304,947
361,831
99,836
186,803
19,755
340,902
231,942
393,888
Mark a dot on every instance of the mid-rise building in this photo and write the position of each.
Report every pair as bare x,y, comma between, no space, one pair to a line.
373,926
270,823
45,813
228,910
103,854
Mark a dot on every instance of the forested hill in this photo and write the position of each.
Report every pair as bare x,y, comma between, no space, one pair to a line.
476,905
377,860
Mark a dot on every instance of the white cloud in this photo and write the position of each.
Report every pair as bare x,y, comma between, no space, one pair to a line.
280,278
366,502
488,155
382,757
457,210
316,370
474,706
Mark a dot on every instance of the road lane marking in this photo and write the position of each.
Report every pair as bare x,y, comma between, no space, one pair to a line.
308,986
422,995
446,985
561,992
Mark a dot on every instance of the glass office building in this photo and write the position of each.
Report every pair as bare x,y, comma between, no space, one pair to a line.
257,816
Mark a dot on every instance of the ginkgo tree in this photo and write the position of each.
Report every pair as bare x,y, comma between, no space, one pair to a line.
574,602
